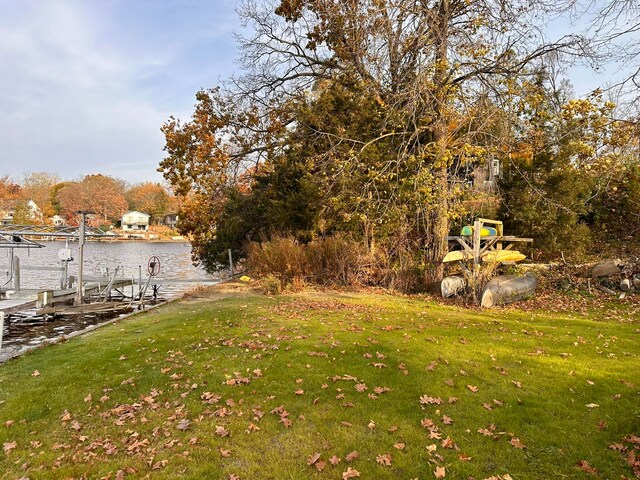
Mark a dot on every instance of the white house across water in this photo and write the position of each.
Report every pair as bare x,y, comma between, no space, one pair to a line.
134,221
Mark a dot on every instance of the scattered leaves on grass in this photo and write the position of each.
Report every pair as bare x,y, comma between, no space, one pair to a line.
350,473
440,472
35,373
515,441
427,400
8,446
352,456
448,443
183,424
160,465
585,467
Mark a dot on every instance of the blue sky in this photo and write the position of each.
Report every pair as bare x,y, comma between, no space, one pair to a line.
86,84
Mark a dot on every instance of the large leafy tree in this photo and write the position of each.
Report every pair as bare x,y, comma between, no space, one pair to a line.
38,186
566,159
414,69
98,193
9,191
148,197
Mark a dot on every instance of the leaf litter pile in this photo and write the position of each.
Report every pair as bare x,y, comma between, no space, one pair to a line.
322,385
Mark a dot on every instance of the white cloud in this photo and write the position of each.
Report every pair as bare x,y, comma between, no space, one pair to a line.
77,89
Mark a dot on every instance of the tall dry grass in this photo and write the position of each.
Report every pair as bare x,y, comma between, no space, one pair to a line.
337,260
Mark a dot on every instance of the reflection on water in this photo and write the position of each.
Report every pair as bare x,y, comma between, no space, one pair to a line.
175,260
28,329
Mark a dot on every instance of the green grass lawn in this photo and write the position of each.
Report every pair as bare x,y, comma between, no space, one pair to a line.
253,387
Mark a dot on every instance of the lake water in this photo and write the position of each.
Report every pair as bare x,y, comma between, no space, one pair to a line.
28,329
175,261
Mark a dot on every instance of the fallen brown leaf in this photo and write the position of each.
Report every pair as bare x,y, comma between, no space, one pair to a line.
8,446
585,467
183,424
515,441
350,473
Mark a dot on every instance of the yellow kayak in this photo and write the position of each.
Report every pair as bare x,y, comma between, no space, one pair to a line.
503,256
456,256
493,256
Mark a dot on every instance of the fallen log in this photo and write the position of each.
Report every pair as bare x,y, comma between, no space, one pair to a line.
625,285
606,290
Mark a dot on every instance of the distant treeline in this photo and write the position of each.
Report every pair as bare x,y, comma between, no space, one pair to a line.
107,196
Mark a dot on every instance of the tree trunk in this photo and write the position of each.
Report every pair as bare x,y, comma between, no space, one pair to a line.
439,221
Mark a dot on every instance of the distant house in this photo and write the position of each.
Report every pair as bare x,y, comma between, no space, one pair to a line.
57,220
171,220
35,213
6,217
134,221
9,208
480,178
486,176
7,211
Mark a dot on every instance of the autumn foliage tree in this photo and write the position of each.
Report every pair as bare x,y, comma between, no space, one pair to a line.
38,186
98,193
9,191
150,198
567,161
413,68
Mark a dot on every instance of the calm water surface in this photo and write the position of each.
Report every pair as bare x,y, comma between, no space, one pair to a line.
30,330
175,260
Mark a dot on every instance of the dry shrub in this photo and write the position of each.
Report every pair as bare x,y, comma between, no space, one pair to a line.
282,257
328,261
271,285
335,260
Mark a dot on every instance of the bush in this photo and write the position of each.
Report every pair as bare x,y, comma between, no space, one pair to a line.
282,257
333,260
272,285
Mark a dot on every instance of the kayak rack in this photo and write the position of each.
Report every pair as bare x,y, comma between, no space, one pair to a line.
476,246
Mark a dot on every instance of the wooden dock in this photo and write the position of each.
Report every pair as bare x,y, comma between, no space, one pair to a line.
26,299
